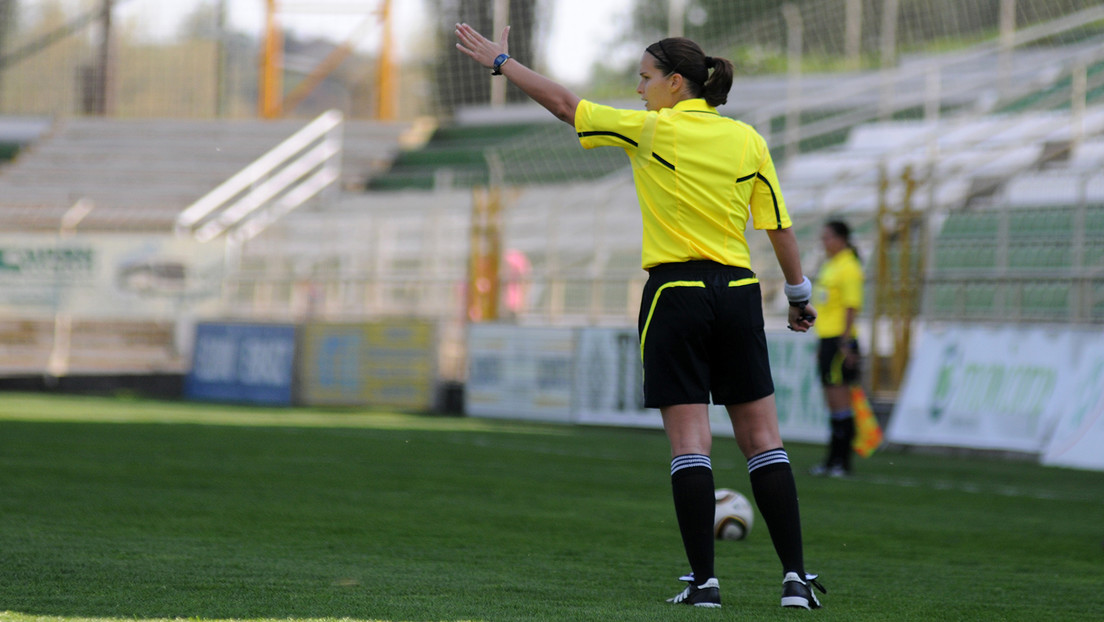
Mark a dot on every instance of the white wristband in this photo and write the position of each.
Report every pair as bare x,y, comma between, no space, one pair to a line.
801,292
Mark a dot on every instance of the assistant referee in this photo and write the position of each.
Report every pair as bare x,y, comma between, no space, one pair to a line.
699,178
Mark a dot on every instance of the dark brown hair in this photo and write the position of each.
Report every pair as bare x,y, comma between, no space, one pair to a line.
708,76
843,231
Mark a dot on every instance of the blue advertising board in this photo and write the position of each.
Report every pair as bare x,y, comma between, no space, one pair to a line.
251,363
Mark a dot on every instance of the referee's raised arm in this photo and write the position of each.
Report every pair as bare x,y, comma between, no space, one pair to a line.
552,95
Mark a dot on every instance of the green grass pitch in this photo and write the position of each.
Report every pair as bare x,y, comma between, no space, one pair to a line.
116,509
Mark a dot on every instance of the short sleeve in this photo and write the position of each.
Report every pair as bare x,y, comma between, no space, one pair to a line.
768,208
604,126
851,286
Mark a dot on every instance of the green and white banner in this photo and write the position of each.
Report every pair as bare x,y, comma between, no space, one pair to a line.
997,387
594,376
107,275
1078,439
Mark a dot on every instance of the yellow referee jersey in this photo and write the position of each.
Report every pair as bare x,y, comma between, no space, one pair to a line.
838,287
698,175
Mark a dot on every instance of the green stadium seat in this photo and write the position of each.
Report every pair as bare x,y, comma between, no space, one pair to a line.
944,300
1032,222
970,225
1035,256
1097,306
1094,221
1093,256
1045,301
980,301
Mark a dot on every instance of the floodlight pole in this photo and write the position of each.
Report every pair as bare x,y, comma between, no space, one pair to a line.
676,22
888,52
220,59
102,104
1007,42
795,28
501,20
853,33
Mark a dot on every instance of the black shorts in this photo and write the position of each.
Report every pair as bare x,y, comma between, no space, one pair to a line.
833,367
701,333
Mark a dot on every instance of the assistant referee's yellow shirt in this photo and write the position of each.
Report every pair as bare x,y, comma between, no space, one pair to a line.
698,176
838,287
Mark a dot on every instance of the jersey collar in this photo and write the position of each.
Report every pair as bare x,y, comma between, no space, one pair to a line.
696,104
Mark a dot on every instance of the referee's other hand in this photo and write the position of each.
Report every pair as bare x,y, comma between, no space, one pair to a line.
802,319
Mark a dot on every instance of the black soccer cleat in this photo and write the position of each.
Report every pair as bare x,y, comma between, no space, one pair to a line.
707,594
799,593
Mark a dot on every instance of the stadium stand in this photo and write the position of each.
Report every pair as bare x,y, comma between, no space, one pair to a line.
139,173
1008,179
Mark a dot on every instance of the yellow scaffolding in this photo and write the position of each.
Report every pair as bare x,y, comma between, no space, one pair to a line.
898,284
271,102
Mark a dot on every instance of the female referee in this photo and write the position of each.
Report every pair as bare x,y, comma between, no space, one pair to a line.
699,176
839,296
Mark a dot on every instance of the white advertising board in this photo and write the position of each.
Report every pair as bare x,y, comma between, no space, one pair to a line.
802,413
520,372
107,275
1078,438
985,387
608,378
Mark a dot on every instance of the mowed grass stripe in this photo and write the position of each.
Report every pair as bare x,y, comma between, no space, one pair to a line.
218,513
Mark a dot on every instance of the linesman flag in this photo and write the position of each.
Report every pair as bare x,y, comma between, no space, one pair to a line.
868,434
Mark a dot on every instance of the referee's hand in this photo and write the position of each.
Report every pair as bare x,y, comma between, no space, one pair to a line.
480,48
802,318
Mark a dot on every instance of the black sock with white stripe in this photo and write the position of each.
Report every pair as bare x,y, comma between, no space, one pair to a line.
692,486
775,492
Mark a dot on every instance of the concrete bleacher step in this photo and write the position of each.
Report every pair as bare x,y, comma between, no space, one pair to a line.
156,166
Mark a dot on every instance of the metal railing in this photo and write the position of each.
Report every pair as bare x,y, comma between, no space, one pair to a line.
279,181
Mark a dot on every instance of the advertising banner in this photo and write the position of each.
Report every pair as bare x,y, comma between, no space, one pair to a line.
609,379
249,363
388,363
986,387
609,376
107,275
802,413
520,372
1078,438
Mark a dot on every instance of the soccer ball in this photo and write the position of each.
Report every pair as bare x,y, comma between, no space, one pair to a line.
733,517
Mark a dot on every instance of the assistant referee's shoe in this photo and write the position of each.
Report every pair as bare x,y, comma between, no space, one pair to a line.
707,594
798,592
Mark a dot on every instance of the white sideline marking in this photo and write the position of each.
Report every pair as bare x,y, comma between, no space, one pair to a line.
971,487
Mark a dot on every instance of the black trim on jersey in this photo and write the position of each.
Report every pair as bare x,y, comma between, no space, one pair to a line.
604,133
628,140
774,198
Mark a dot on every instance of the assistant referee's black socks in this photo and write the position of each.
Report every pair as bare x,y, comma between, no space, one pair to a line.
692,487
772,484
843,434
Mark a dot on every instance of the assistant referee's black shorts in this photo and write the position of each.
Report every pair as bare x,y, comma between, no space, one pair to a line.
833,366
701,333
